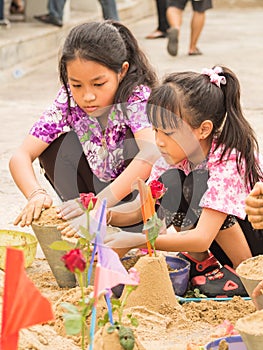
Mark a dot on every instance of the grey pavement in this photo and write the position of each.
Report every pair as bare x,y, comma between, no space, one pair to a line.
232,37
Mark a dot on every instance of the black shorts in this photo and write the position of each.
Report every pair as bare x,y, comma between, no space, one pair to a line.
198,5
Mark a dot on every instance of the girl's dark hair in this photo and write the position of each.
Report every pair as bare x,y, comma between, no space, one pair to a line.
109,43
194,98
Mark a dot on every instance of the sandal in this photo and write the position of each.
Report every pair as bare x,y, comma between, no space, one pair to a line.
222,283
199,268
196,52
157,34
16,9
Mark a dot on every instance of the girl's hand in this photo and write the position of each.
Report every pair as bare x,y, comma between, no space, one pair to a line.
70,209
254,206
124,239
258,291
71,227
33,209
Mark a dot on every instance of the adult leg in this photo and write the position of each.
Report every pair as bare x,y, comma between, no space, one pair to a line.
197,23
174,16
56,8
163,25
109,9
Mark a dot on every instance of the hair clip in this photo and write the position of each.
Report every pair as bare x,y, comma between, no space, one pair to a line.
214,77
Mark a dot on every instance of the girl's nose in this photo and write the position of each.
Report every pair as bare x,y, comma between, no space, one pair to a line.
158,140
89,96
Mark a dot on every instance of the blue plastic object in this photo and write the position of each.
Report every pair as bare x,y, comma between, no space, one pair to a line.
180,276
235,342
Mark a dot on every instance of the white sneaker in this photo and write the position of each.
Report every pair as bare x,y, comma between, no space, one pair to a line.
5,23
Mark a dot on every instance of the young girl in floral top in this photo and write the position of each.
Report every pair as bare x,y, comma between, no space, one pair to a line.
209,163
96,136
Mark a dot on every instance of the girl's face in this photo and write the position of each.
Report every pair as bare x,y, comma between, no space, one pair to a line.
177,145
93,85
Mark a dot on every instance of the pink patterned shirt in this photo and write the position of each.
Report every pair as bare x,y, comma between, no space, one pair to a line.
226,190
105,164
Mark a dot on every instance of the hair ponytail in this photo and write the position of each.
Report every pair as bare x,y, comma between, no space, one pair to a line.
237,132
140,71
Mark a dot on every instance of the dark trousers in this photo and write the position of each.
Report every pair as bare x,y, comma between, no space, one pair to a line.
68,170
183,196
161,10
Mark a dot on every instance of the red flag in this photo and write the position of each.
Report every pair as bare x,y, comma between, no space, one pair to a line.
23,304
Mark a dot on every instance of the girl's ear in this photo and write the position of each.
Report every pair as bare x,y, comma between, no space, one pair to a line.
206,129
124,70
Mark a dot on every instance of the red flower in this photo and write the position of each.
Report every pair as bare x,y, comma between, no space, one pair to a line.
86,198
73,260
157,189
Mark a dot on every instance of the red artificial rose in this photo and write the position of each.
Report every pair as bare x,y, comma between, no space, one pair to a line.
86,198
73,260
157,189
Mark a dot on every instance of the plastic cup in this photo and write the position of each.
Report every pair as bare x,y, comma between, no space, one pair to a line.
180,274
234,342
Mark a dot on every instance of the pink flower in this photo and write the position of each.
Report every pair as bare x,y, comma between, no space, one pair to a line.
134,274
74,260
157,189
88,199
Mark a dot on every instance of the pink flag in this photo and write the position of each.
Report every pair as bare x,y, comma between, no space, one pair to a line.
23,305
106,279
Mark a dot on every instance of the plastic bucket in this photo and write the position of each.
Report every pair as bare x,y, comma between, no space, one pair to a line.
19,240
234,342
180,274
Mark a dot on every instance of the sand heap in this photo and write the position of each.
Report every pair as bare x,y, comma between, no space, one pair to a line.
155,289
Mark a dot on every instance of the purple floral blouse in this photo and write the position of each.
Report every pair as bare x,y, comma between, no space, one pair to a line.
104,151
226,190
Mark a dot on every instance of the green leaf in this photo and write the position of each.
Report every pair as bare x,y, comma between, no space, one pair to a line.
73,323
111,329
61,245
153,226
134,322
69,307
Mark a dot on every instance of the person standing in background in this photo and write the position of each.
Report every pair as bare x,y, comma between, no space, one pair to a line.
109,9
55,13
175,16
161,31
4,23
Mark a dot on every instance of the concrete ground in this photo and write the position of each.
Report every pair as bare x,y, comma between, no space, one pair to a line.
232,37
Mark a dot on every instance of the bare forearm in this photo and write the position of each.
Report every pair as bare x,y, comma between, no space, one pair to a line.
23,174
182,241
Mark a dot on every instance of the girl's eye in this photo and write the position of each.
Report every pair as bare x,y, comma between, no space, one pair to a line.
169,133
99,84
76,85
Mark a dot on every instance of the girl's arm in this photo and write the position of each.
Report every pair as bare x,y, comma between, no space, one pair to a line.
197,239
254,206
140,167
23,174
126,214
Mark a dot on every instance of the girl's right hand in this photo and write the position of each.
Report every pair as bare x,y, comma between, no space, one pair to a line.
70,209
33,209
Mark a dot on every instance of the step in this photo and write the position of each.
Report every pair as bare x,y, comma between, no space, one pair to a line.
28,42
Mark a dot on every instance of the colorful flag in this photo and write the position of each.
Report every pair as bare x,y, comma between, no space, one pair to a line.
23,304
